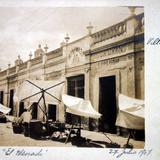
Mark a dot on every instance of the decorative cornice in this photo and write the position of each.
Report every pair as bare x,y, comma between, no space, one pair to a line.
139,37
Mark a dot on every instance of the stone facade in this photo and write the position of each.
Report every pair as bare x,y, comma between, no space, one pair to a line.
116,52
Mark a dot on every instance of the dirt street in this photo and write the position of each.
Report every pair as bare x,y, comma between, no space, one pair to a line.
8,138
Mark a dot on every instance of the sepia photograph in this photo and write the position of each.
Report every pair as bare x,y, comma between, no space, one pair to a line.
72,77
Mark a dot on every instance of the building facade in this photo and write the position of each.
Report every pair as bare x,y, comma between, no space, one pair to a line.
97,67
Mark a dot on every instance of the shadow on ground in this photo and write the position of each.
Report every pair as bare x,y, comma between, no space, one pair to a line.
83,142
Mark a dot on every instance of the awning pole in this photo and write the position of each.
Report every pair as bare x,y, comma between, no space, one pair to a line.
129,136
108,137
43,90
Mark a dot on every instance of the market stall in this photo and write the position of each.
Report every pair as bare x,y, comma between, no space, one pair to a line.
131,114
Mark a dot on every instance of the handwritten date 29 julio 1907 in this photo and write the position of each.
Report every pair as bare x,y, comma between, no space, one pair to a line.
140,153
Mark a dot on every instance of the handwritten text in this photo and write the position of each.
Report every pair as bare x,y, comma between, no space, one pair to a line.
139,153
23,152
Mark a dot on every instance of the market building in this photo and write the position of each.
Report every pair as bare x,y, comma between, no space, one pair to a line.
96,67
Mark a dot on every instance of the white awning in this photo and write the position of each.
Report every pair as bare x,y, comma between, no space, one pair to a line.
131,113
79,106
27,89
10,118
4,109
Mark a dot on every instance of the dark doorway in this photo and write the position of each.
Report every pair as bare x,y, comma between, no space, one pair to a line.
52,112
21,108
75,88
34,110
11,101
107,104
1,97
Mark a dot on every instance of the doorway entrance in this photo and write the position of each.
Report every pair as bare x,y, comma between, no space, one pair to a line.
21,108
11,101
1,97
107,104
34,110
52,112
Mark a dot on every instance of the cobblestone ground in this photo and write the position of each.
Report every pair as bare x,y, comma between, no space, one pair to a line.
8,138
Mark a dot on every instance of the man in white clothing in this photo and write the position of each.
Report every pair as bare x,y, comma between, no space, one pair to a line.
26,118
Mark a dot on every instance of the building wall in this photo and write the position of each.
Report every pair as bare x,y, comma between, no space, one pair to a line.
117,50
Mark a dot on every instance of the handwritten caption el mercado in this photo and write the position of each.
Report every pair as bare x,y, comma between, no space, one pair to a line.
139,153
23,152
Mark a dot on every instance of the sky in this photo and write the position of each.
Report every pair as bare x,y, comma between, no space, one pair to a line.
22,29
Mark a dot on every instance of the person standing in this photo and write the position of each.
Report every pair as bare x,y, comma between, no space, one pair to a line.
26,118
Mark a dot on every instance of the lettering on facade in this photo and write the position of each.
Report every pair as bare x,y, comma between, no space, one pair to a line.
112,61
76,57
102,63
113,51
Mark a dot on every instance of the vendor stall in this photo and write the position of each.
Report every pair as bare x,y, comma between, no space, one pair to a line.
131,114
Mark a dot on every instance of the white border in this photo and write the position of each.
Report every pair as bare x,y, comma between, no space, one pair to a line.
152,82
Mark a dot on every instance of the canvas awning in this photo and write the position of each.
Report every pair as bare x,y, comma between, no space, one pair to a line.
131,113
79,106
10,118
26,89
4,109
